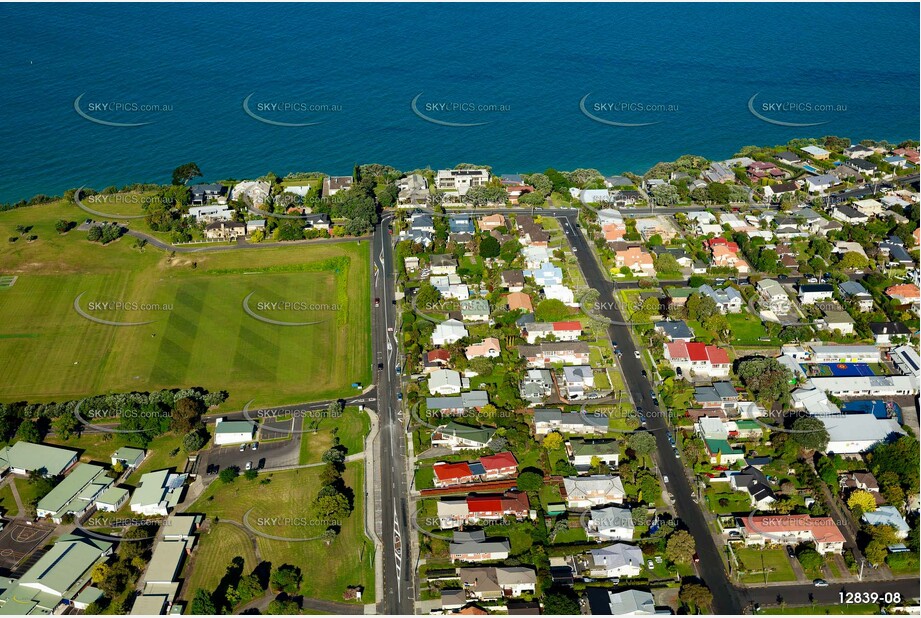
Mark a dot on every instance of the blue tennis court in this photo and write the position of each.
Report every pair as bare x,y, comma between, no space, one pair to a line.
849,370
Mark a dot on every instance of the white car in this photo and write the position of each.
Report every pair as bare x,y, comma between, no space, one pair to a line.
249,465
636,353
665,478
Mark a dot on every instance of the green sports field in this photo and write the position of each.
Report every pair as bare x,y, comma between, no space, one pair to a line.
197,331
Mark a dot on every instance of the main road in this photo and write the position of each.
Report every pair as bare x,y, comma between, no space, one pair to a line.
726,599
398,596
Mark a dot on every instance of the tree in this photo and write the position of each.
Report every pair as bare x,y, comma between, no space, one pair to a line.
701,307
541,183
334,456
65,425
553,441
286,578
532,198
861,502
551,310
283,607
194,440
186,414
875,552
666,263
489,247
810,558
665,195
203,604
810,433
530,480
62,225
767,379
95,234
852,260
330,474
680,547
641,442
561,603
289,230
28,431
334,409
251,474
334,506
229,474
185,172
695,594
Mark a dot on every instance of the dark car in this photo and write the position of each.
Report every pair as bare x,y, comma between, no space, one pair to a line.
790,551
644,373
380,366
377,302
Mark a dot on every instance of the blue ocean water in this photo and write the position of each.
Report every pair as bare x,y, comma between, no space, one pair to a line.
522,69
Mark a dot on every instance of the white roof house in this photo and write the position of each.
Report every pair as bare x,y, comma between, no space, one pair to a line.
850,434
595,490
888,516
611,522
618,560
445,382
605,602
449,331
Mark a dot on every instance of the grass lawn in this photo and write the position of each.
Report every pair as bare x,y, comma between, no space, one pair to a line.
903,563
775,563
425,477
8,506
736,501
747,329
163,452
199,333
819,610
27,492
327,570
216,548
573,535
351,429
550,494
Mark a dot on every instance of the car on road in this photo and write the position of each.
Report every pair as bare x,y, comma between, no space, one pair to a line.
665,478
398,369
636,353
390,329
655,400
380,366
820,583
696,557
399,396
677,454
243,447
377,302
249,465
254,446
644,373
790,551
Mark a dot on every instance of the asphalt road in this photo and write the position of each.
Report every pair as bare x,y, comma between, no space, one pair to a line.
726,599
805,594
399,573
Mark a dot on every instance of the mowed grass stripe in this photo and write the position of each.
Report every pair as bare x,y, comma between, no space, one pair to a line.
175,353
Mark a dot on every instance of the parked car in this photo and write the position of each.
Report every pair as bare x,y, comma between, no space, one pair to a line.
820,583
644,373
790,551
636,353
665,478
249,465
243,447
696,557
254,446
377,302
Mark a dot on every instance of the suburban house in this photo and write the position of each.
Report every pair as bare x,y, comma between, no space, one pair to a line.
491,583
334,184
158,493
204,193
458,404
413,190
459,437
699,358
888,516
792,530
225,230
840,321
715,435
252,192
473,547
851,434
606,602
448,332
232,432
547,274
848,214
906,293
553,419
445,382
854,292
206,214
536,385
576,379
721,395
76,494
811,293
780,189
519,301
754,482
26,457
546,354
789,158
491,222
821,183
513,280
475,310
480,508
675,330
488,348
436,358
560,331
618,560
637,259
595,490
819,154
460,181
583,452
728,299
610,523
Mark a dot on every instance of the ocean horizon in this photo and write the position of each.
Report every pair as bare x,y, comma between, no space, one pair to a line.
245,89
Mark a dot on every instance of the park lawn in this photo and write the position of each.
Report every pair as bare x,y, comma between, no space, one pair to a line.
215,550
198,332
8,506
351,428
776,564
327,569
819,610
